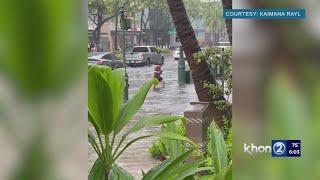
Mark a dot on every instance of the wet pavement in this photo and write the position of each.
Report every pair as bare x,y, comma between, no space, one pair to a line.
169,100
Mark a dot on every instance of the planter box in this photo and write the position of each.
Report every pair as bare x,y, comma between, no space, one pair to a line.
199,115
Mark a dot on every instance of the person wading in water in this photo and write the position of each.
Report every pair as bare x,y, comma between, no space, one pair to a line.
157,74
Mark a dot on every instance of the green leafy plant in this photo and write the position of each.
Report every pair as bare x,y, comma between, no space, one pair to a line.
174,148
218,155
217,149
228,142
219,59
108,116
159,149
175,168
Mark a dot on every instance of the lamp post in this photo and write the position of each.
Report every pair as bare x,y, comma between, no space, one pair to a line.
222,70
181,68
123,49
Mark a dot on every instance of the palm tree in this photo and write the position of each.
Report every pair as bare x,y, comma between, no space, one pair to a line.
200,71
227,4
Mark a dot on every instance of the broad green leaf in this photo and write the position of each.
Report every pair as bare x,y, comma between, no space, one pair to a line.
174,173
225,174
151,121
97,171
133,105
174,147
175,136
218,149
118,173
173,164
166,166
100,102
115,80
152,173
119,74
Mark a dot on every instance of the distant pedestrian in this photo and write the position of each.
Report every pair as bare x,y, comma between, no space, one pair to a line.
157,74
92,47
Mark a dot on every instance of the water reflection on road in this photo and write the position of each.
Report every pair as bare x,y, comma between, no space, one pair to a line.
169,100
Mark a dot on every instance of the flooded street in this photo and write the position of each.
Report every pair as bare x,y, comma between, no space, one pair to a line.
169,100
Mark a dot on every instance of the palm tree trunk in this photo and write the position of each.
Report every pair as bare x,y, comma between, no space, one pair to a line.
200,71
227,4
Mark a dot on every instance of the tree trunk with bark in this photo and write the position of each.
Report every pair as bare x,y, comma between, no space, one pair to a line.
200,71
227,4
97,31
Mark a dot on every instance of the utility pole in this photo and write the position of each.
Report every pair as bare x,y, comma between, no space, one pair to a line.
123,49
222,70
116,34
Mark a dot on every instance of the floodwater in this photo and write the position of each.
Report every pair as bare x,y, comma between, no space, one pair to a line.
173,99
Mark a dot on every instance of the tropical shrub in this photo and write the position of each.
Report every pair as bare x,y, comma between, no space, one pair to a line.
229,145
176,168
221,60
159,149
217,155
109,116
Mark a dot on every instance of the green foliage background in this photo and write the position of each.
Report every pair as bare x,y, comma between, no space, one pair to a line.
42,56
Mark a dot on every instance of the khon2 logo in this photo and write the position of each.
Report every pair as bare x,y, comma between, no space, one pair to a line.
286,148
279,148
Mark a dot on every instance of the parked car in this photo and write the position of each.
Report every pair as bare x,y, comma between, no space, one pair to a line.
144,55
92,62
106,59
176,54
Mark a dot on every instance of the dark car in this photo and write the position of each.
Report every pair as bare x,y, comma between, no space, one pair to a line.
105,59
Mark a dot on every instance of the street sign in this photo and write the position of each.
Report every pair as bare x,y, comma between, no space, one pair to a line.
127,23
